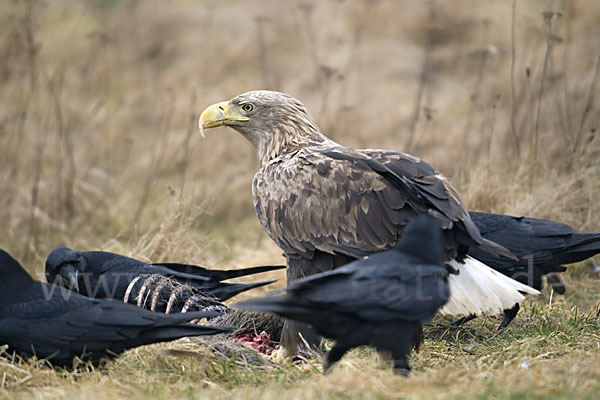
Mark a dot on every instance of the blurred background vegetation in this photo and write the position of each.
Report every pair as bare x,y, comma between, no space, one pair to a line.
99,103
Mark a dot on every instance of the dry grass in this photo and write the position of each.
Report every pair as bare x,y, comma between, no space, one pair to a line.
99,151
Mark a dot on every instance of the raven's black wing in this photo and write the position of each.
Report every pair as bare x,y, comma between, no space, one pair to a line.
53,322
376,288
218,274
540,243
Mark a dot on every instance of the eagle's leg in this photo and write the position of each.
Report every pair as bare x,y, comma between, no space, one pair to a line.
509,315
295,336
463,320
334,355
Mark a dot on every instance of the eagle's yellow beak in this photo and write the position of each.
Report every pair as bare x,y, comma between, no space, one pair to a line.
218,115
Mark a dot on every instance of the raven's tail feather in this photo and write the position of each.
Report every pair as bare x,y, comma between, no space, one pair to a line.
227,291
580,246
172,332
276,304
219,274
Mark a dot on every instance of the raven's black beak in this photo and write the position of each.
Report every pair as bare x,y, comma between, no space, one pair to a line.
69,277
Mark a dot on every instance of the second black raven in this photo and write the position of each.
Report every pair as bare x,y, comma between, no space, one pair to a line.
100,274
381,300
541,247
50,322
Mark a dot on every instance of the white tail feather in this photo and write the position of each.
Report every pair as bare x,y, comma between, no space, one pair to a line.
478,289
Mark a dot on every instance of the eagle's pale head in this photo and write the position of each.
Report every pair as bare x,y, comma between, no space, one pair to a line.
273,122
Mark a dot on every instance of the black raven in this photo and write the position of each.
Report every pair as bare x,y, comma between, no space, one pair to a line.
381,300
50,322
541,248
100,274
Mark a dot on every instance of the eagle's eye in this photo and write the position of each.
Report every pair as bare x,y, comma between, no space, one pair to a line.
247,108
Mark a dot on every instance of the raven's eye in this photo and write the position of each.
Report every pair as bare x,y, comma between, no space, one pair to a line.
247,108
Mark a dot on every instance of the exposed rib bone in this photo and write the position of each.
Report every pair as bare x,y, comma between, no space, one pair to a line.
191,301
149,281
173,297
130,288
157,291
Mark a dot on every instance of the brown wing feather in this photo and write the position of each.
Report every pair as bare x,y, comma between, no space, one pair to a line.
352,202
436,190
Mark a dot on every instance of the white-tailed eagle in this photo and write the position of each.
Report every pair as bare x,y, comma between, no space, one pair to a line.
325,204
